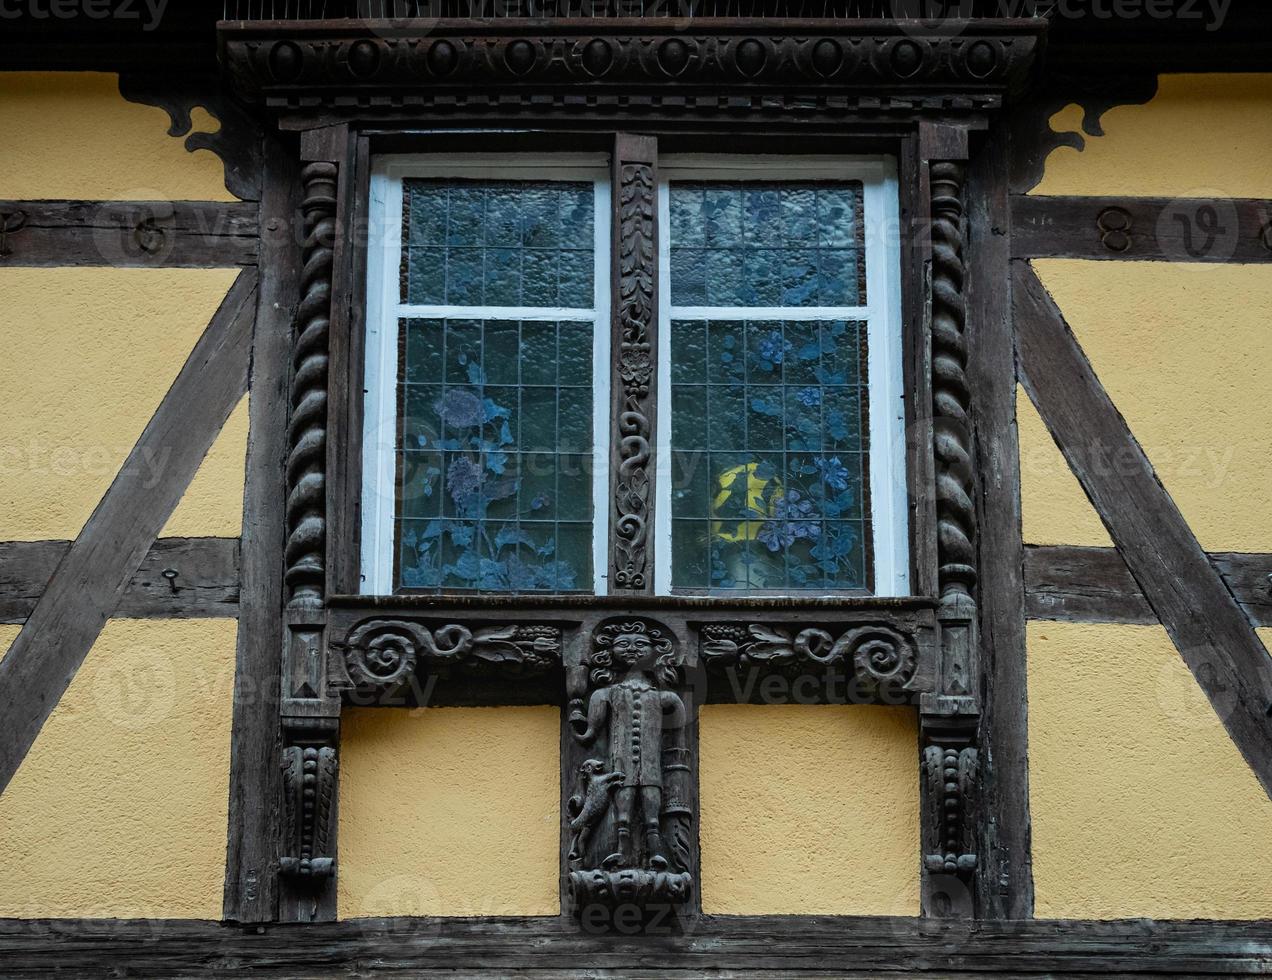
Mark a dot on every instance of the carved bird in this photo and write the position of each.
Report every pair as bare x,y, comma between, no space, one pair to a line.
588,805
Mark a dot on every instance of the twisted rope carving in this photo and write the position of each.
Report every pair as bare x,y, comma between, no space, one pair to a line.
635,314
955,510
307,434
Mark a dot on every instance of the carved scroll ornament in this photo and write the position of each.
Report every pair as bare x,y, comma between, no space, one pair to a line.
631,834
880,658
380,654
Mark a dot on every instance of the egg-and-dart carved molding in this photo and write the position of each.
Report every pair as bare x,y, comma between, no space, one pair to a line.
352,65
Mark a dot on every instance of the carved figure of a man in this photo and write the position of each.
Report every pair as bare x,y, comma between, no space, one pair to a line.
635,710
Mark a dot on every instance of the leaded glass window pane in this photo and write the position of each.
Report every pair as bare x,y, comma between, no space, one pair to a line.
769,414
497,243
495,456
767,244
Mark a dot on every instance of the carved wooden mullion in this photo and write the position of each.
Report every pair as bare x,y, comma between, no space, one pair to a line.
950,759
310,714
634,329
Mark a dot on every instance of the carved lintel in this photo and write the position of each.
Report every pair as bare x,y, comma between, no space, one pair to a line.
879,660
635,311
632,809
381,655
836,68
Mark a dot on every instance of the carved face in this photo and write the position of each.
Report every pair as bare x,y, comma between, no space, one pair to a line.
632,649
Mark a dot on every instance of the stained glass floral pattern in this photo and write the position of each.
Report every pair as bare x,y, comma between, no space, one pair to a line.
494,462
769,456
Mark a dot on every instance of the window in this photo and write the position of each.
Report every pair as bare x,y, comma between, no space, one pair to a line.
781,350
780,456
487,343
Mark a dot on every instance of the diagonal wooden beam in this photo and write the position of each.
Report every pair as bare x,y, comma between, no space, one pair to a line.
94,575
1208,627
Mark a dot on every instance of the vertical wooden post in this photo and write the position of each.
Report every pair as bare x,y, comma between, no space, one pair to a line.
634,300
949,717
253,839
310,711
1005,872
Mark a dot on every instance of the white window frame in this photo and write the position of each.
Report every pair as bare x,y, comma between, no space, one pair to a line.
882,312
385,309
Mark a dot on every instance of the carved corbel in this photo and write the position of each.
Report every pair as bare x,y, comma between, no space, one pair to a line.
309,793
951,775
631,810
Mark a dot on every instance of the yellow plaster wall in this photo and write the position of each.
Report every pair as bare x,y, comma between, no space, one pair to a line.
1200,136
809,809
449,811
1182,350
119,810
72,135
89,354
212,505
1141,804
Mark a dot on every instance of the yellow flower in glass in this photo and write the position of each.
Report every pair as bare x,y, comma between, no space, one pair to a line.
743,501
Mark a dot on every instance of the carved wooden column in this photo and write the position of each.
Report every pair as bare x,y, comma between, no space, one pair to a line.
635,344
950,713
310,714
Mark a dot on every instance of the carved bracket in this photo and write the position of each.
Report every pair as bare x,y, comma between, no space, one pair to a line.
632,812
309,792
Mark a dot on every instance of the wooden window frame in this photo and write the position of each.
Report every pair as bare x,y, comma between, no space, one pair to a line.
874,87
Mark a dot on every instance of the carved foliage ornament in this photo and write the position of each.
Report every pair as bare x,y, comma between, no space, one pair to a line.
880,657
951,773
309,789
635,317
382,653
631,815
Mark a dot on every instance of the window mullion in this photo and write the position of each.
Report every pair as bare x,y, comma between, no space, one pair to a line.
634,329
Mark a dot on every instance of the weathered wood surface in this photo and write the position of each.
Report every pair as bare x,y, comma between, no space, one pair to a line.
1152,229
1093,585
148,234
255,794
206,583
93,577
552,947
1191,600
1005,873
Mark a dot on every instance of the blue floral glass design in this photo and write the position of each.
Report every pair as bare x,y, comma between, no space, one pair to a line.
498,243
494,461
769,456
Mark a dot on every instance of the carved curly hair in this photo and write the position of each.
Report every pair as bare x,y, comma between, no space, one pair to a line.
601,660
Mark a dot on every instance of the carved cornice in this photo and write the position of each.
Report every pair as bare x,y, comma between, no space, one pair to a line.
640,64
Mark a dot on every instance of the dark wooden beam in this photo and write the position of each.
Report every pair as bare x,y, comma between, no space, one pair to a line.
1093,585
205,583
93,577
1188,595
1153,229
761,947
145,234
255,798
1005,871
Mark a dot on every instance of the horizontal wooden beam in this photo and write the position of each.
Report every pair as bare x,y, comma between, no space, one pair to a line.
141,234
1155,229
768,947
205,583
1093,585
